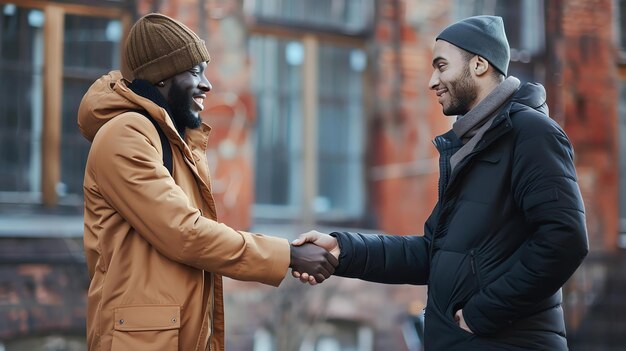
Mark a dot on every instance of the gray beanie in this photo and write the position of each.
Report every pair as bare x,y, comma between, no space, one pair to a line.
483,36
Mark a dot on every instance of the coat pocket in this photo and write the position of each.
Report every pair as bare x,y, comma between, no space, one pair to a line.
489,158
146,327
475,271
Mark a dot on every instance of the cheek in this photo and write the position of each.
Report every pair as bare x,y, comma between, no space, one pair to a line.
190,87
451,80
445,76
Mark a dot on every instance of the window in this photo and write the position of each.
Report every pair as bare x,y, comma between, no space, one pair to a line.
347,16
41,149
97,40
278,84
525,30
340,131
310,121
21,99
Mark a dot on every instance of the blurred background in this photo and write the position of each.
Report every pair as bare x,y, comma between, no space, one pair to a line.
321,118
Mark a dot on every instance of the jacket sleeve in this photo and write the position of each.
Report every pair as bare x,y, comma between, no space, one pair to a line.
544,187
131,177
383,258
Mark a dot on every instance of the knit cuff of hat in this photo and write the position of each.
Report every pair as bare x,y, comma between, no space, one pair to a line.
173,63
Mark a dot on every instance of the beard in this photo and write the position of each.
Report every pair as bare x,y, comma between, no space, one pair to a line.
182,113
463,93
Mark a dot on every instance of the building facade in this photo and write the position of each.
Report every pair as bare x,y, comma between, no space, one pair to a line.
322,118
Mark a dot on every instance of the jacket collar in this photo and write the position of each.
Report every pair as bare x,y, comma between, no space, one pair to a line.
198,137
468,125
145,89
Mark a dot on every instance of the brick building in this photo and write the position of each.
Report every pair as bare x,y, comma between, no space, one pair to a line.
321,119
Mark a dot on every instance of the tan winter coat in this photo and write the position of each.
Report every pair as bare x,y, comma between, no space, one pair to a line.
154,249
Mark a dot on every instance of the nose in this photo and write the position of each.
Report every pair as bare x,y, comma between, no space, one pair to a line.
205,85
434,80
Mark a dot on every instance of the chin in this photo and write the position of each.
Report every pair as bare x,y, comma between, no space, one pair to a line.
454,111
195,121
448,112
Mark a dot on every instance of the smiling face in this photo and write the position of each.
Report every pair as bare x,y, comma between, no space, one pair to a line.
452,79
185,93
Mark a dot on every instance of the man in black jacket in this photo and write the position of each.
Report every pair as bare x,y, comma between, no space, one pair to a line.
508,229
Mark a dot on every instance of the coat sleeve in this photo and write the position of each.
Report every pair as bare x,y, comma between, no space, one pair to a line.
383,258
131,178
545,189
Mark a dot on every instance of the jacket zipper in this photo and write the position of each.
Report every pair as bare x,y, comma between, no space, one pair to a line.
474,270
440,143
482,145
447,178
212,314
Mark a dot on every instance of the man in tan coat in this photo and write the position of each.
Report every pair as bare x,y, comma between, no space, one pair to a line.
155,250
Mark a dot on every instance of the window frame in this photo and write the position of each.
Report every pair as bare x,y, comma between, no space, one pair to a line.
304,212
311,38
53,31
257,21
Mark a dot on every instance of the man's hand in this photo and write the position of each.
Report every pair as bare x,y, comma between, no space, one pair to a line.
317,262
458,318
320,239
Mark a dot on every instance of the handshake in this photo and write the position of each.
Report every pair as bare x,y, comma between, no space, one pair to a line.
314,257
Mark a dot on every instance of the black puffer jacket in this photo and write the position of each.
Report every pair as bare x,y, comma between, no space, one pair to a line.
507,232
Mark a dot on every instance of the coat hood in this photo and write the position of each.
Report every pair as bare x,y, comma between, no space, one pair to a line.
532,95
108,97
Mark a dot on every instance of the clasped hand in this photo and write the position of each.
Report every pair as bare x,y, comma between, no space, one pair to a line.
314,257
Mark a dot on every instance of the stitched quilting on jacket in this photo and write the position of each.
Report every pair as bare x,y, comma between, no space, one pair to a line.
154,248
507,232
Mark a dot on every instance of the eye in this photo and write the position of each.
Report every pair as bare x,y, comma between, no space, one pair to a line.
194,72
441,66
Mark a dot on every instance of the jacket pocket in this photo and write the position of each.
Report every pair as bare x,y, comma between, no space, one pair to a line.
489,158
452,283
475,271
146,327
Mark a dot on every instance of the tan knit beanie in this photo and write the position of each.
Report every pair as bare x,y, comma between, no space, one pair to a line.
159,47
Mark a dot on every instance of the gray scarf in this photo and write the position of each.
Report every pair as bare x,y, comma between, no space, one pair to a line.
471,127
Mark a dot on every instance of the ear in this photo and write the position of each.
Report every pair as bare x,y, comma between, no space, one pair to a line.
164,89
479,65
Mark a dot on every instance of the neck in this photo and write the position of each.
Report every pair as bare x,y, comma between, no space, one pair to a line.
145,89
485,89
